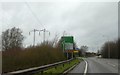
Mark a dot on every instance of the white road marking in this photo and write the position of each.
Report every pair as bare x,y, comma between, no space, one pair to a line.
86,66
69,69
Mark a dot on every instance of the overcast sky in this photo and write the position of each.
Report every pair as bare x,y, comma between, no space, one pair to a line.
91,23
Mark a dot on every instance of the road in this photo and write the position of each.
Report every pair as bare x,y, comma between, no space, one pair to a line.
96,66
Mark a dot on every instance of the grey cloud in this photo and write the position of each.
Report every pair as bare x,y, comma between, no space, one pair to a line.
86,21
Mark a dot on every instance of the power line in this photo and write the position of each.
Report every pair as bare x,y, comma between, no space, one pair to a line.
44,34
44,30
34,14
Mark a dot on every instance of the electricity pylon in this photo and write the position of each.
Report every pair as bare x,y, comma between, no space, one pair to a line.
34,30
44,32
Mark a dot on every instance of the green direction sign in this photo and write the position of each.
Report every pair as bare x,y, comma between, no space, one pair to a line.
68,46
67,42
67,39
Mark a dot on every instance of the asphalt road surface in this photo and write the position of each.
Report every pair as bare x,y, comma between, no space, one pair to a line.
96,66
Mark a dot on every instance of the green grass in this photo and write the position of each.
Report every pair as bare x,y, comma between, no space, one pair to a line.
82,58
60,69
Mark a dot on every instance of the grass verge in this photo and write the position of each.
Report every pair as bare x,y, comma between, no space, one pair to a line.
60,68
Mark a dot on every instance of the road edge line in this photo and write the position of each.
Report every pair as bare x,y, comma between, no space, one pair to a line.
86,66
68,70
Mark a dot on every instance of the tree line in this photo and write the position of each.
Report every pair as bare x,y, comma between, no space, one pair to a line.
12,38
110,49
16,57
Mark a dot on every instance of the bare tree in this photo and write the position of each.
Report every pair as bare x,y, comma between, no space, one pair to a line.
55,40
12,38
110,49
83,50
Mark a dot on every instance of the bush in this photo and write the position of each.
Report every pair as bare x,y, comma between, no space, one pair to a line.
30,57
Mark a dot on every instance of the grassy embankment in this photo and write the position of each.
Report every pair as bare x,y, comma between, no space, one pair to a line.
13,60
60,68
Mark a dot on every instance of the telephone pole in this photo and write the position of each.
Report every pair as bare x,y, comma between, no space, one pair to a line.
34,30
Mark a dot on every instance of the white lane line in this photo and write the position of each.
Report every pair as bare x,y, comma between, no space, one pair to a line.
86,66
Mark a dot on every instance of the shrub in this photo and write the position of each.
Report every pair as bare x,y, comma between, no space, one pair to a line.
30,57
